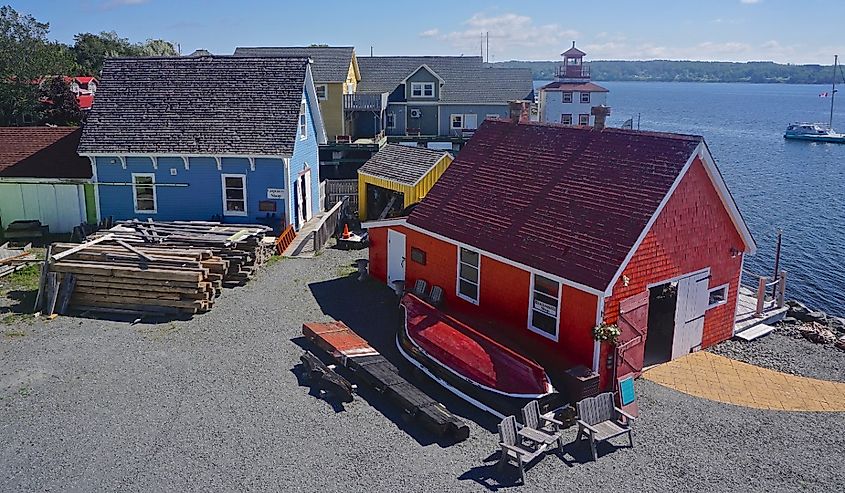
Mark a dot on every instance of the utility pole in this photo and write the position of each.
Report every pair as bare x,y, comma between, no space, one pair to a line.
488,46
371,50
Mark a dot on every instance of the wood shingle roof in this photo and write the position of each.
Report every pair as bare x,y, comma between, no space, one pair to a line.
402,164
330,63
196,105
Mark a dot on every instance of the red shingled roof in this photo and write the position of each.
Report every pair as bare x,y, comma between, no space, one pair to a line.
42,152
570,201
573,86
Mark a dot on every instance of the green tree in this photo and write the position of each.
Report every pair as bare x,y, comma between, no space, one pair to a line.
25,57
59,104
92,49
158,47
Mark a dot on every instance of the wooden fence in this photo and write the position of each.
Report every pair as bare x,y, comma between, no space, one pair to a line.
338,190
327,226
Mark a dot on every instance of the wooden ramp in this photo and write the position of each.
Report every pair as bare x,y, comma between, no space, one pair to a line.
747,320
370,368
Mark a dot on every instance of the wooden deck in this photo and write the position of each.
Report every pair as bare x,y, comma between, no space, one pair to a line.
746,318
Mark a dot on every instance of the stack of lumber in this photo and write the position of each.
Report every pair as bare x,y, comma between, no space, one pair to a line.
13,258
243,247
110,275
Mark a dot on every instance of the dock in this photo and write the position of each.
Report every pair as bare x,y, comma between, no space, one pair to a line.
752,321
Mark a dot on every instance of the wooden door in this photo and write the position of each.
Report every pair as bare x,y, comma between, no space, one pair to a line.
633,323
689,313
395,257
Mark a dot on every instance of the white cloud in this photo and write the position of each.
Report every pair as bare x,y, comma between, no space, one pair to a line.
111,4
511,36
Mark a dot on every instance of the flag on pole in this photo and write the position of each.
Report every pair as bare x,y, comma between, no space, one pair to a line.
824,95
629,124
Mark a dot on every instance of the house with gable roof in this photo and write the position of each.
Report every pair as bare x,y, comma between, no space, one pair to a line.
538,233
201,144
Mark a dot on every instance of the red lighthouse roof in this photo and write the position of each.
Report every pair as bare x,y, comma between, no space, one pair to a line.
573,52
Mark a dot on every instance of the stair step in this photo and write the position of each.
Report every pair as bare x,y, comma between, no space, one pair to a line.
754,332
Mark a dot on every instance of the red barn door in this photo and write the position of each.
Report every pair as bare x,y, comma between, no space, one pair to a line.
633,323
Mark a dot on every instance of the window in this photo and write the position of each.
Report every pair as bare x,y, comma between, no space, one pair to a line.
422,89
583,119
418,255
467,121
492,116
391,120
144,193
322,92
566,119
458,121
234,195
303,121
469,263
567,96
545,302
585,97
717,296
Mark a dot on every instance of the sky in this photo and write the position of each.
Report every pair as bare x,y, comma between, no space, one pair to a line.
785,31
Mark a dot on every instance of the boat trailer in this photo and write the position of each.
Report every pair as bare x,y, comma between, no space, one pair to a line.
370,368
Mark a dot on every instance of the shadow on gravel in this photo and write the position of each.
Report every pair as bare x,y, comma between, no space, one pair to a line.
24,301
372,311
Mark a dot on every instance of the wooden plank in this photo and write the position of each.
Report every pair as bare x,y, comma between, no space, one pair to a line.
128,272
146,286
90,299
81,247
66,290
52,293
45,268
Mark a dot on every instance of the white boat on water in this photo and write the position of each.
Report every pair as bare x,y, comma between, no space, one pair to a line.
818,132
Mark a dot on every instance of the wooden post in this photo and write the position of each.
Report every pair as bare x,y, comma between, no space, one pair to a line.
761,295
781,297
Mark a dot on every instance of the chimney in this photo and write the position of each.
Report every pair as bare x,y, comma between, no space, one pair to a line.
600,113
519,111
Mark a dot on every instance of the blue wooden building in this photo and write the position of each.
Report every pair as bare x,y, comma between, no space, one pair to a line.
206,138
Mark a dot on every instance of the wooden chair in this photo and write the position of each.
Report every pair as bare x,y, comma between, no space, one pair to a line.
436,296
420,288
599,420
513,452
544,428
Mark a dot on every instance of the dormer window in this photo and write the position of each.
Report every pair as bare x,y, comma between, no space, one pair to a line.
422,89
303,122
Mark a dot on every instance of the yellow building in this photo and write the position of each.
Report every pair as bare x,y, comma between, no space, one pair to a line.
396,177
335,71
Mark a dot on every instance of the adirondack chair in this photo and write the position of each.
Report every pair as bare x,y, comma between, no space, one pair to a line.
513,452
436,296
420,288
544,428
599,420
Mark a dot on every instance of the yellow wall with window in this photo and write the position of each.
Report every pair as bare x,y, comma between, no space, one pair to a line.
412,193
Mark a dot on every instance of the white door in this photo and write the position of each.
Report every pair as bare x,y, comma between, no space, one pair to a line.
395,257
309,210
689,313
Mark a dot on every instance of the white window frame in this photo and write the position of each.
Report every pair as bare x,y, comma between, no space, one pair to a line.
459,278
554,337
325,88
390,120
580,120
566,93
492,116
585,100
422,86
563,118
135,192
456,117
223,177
726,288
303,120
467,118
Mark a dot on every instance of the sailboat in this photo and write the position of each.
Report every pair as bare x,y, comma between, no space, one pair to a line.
818,132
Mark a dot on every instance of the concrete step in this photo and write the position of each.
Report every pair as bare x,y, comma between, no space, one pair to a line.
754,332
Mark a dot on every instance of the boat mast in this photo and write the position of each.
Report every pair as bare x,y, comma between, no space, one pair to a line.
833,90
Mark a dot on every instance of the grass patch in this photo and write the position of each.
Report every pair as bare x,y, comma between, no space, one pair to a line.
346,271
15,318
275,259
26,279
15,333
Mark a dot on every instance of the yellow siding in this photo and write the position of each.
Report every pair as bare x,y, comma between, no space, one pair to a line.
413,194
332,110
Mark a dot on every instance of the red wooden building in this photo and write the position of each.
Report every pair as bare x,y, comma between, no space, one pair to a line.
548,230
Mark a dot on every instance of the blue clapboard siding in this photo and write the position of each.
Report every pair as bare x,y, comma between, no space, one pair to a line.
306,155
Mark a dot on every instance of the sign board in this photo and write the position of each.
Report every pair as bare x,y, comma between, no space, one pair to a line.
545,308
275,193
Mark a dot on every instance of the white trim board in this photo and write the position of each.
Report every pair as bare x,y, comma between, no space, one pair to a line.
223,177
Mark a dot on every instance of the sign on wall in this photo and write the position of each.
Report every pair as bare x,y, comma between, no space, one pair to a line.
275,193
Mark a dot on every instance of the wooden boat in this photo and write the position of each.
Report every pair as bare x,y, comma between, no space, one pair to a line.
473,366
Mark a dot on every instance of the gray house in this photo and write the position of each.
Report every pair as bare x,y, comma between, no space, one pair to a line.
427,97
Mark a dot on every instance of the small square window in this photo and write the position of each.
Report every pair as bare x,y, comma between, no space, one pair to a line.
418,256
585,97
717,296
322,92
583,119
567,96
566,119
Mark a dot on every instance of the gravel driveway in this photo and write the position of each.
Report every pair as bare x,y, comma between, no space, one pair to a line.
214,404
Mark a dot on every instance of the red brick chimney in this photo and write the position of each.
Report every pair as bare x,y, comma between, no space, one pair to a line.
600,113
519,111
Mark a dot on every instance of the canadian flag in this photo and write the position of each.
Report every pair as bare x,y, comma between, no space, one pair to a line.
823,95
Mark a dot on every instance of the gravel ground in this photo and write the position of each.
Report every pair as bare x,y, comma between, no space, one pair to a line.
785,350
214,404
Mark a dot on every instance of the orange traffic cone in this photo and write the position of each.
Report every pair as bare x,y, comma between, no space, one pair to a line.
345,232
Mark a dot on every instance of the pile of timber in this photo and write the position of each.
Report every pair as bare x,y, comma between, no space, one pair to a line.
243,246
111,275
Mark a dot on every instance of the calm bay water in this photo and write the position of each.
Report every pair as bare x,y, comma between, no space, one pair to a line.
796,186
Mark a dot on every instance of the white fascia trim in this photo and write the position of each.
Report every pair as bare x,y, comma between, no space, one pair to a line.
385,223
154,159
597,344
219,161
609,289
96,187
316,115
429,69
532,270
44,181
251,163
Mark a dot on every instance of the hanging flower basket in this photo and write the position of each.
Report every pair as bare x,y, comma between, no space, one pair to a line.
607,333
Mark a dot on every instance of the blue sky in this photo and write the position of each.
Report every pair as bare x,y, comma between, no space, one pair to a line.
806,31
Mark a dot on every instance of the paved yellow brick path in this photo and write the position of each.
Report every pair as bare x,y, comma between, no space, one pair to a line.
714,377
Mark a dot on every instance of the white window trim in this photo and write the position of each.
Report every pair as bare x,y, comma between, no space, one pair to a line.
563,97
422,86
325,91
223,186
570,118
579,119
135,193
387,120
303,125
458,282
453,117
581,97
554,337
726,287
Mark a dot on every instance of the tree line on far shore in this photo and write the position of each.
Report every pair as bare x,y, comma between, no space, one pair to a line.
689,71
32,89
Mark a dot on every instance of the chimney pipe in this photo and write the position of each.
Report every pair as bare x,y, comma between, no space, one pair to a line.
519,110
600,113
